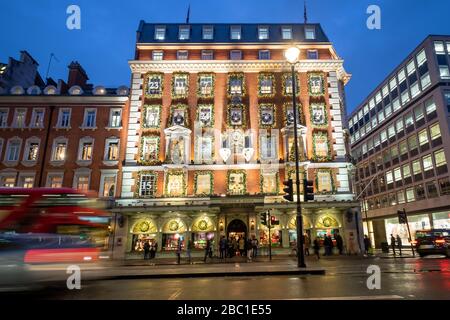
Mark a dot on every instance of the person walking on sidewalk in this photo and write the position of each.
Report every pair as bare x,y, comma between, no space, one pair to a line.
366,245
189,250
223,247
326,244
306,243
179,251
393,244
399,244
254,247
316,247
230,247
242,246
339,243
330,245
249,248
208,252
146,250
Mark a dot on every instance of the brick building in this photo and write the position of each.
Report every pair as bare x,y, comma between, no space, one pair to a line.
63,135
400,139
210,136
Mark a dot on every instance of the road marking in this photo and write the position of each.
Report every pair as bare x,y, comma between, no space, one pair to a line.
175,295
381,297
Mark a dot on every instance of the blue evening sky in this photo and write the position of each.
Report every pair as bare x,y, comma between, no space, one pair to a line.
106,40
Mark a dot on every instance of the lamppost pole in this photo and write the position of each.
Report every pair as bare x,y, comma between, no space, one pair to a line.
300,239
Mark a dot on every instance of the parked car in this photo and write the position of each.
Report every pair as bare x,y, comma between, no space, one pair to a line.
435,241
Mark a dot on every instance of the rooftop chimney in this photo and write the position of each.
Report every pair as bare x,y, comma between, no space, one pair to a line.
77,75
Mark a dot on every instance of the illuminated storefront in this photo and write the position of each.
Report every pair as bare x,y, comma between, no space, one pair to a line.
417,222
172,232
143,230
441,220
203,230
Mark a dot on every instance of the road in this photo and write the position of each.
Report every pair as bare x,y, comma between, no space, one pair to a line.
412,278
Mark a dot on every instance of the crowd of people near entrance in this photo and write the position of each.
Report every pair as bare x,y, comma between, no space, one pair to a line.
150,249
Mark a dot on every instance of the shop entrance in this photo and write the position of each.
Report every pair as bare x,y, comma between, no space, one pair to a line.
237,229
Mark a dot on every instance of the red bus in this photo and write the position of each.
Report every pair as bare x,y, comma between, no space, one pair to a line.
60,224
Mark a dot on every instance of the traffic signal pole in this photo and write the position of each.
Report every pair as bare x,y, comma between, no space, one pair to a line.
300,240
409,232
269,225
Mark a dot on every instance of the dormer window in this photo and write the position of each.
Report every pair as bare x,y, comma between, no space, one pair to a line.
183,33
160,32
286,33
208,32
263,32
310,33
235,32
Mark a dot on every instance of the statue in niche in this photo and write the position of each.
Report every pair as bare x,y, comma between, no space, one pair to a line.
177,150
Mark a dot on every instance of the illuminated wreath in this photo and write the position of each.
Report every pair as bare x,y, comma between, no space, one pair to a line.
174,226
203,225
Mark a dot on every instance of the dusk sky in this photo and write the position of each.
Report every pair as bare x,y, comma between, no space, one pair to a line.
106,40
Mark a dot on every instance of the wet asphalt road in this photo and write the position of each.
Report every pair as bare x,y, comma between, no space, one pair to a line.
345,279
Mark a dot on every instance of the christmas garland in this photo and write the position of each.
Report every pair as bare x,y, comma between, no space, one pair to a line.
138,184
315,157
322,84
199,88
331,181
184,107
175,173
147,78
236,171
145,109
178,75
285,77
239,76
261,184
211,177
141,152
274,116
243,120
266,76
211,107
325,115
301,116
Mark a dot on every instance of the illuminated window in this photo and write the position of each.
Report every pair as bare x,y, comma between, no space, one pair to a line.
410,195
439,158
112,150
157,55
109,186
115,118
82,182
406,169
160,32
184,32
416,167
32,151
427,163
423,137
208,32
59,150
235,32
26,182
19,118
397,174
286,33
54,180
207,55
263,32
182,55
310,33
37,118
147,185
86,151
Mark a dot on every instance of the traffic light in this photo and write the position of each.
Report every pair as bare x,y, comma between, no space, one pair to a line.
289,196
274,221
263,216
402,219
308,189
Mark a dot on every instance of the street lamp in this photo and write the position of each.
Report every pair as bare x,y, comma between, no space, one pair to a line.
292,56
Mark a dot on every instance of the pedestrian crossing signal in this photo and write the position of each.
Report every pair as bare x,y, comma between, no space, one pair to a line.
289,189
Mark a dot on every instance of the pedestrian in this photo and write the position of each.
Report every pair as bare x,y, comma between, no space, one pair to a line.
330,245
306,244
254,247
230,248
316,247
189,247
366,245
339,243
242,246
249,248
208,252
393,244
235,246
351,244
179,247
326,245
146,250
222,247
399,244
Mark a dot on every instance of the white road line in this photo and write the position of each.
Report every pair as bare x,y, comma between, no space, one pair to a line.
380,297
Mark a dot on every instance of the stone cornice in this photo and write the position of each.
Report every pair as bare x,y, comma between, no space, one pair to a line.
225,66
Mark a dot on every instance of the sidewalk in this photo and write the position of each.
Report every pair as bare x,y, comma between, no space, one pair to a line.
406,253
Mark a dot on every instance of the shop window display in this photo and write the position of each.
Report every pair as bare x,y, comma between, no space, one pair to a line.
417,222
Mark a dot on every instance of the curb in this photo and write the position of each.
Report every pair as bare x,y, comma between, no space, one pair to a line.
217,274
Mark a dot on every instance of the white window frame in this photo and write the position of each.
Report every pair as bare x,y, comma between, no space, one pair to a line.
60,118
56,141
4,121
208,32
34,118
263,32
182,54
21,178
84,140
235,32
111,124
52,174
157,55
85,119
79,173
16,113
158,29
26,151
8,144
108,174
108,141
284,31
310,30
208,54
184,32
